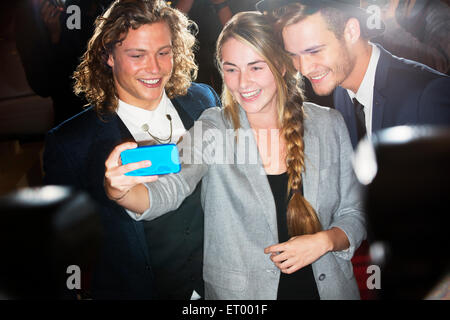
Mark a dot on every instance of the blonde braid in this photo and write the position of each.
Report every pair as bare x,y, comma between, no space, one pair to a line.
301,216
255,30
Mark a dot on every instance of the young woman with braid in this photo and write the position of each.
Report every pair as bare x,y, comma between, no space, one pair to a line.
283,213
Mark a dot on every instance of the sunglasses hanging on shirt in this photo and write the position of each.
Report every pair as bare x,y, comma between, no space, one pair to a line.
145,127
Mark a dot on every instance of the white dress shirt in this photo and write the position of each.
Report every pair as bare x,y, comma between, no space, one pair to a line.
156,120
365,91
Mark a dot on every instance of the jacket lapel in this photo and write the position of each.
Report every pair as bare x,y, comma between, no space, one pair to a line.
310,175
379,100
350,119
345,106
112,131
186,118
256,175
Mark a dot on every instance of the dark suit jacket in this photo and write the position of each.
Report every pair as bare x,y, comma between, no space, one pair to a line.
160,259
405,93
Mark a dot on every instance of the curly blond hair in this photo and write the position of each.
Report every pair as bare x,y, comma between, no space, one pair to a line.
255,30
93,76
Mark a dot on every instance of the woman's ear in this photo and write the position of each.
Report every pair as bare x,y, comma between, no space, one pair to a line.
352,31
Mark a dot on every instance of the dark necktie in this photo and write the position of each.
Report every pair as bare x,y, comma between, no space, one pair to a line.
360,119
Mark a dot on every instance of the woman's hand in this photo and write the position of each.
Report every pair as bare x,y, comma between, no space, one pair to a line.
117,184
298,252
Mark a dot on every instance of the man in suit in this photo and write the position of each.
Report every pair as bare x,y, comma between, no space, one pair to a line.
329,44
136,74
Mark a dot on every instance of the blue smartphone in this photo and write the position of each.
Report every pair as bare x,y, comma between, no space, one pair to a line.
164,157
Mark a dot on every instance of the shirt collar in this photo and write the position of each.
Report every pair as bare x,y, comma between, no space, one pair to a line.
139,116
365,91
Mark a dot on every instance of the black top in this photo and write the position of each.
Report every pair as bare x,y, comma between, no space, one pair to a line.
299,285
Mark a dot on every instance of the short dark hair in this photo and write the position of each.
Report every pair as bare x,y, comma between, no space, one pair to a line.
335,19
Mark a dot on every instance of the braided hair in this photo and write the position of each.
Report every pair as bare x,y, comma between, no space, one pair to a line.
255,30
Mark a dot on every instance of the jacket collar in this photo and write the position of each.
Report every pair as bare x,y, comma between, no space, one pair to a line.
111,132
383,66
186,118
379,98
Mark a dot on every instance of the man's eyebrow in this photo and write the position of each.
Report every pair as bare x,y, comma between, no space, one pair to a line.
144,50
169,46
135,49
309,50
313,48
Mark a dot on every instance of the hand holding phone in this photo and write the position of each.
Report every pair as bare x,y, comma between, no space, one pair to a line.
164,158
118,185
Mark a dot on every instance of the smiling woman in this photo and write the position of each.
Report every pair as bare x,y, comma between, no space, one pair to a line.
249,79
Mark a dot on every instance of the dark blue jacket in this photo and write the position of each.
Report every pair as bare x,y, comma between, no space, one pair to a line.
405,93
158,259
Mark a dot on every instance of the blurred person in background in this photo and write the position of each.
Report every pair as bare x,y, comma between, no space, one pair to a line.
418,30
210,16
51,40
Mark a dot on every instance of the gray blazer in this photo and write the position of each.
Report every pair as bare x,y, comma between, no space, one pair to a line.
240,214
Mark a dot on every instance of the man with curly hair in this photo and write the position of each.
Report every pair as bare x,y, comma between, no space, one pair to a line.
137,75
